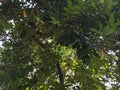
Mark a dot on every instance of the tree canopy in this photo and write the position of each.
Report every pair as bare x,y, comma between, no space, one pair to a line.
60,44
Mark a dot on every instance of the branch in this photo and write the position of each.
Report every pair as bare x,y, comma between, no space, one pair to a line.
60,72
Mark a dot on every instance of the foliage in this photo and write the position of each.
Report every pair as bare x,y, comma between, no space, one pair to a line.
59,45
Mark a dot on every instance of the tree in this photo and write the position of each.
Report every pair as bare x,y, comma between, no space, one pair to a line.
59,45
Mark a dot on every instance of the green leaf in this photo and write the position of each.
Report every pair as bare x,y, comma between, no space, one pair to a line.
116,24
111,20
101,1
55,21
108,31
96,31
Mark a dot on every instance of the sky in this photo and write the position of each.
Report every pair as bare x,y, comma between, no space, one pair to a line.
0,43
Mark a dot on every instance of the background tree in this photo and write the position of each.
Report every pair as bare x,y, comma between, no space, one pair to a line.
59,45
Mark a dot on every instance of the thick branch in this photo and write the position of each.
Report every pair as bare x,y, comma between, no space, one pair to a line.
60,72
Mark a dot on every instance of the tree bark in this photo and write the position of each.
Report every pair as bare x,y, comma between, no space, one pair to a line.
60,73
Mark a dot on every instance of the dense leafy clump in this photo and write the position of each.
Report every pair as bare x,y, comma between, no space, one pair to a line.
59,44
